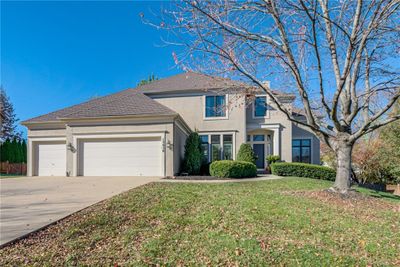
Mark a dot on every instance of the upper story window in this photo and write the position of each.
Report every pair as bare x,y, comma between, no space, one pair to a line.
215,106
260,106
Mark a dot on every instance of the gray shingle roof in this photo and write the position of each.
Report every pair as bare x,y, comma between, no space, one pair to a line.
192,81
127,102
136,101
189,81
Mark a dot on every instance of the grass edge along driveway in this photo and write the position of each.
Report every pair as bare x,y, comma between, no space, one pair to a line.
279,222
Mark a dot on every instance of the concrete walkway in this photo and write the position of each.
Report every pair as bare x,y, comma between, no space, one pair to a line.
262,177
30,203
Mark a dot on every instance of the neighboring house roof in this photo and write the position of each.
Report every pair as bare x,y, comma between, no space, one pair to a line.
127,102
136,102
189,81
192,81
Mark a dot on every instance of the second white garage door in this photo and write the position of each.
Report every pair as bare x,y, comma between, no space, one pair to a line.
121,157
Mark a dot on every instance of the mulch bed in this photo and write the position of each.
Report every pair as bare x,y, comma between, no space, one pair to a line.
193,178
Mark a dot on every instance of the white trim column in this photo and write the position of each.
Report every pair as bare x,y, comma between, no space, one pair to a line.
276,143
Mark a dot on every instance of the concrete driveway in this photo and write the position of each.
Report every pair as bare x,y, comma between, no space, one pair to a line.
29,203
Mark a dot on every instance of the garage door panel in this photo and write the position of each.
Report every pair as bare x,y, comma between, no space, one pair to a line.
51,159
121,157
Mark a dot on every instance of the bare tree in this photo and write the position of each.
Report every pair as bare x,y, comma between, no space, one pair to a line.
341,58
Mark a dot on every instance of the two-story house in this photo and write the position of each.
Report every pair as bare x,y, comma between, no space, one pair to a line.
142,131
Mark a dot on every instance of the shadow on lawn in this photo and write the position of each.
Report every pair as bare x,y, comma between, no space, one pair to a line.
378,194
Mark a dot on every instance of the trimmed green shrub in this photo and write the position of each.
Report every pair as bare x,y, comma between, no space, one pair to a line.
193,154
24,152
273,158
233,169
246,153
303,170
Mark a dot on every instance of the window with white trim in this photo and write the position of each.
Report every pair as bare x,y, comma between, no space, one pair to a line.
217,146
260,106
215,106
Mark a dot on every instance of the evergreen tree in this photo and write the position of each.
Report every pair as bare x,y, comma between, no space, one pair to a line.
14,151
1,152
150,79
5,155
24,152
7,117
193,154
246,153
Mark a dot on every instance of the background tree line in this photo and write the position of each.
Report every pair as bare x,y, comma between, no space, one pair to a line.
12,146
14,151
376,157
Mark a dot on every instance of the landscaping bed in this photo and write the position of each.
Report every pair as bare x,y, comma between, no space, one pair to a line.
193,177
283,222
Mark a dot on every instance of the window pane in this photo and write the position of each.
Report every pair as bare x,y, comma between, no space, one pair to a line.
210,106
227,138
296,142
228,151
204,139
260,107
301,150
258,137
296,154
248,138
305,142
204,148
305,155
215,152
228,146
220,106
215,139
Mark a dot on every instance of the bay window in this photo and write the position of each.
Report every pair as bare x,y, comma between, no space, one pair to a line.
205,146
217,146
228,147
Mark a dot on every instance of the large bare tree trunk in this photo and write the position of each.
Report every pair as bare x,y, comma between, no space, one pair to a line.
343,173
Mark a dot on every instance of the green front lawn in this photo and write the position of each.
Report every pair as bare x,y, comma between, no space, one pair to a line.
280,222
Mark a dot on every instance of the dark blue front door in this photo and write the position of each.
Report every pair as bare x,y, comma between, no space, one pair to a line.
259,151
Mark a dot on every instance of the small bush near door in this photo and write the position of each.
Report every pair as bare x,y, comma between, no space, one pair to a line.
303,170
272,159
193,154
233,169
246,153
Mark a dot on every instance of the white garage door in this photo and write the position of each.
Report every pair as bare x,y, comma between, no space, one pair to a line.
121,157
51,159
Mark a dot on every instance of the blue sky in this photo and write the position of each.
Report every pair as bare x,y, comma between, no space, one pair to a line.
56,54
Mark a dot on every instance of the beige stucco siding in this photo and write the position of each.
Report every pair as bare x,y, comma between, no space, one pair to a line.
274,117
192,108
75,131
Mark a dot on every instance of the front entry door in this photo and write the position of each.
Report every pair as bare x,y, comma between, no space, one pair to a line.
259,151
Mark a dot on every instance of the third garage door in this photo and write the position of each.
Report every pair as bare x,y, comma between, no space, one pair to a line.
121,157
